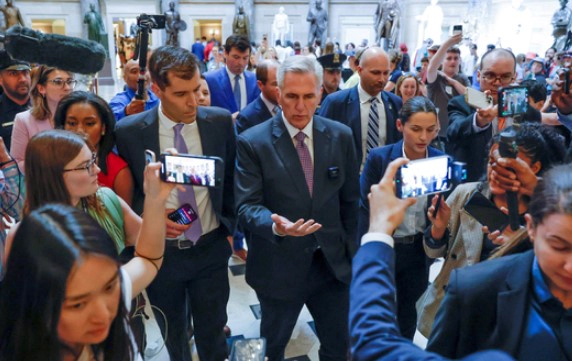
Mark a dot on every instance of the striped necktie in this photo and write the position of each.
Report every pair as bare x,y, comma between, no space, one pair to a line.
372,126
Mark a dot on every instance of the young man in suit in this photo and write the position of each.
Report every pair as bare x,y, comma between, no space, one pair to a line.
353,106
297,191
196,256
373,327
232,87
266,105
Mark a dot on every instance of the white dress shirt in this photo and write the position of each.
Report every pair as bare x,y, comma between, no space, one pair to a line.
190,133
242,82
364,107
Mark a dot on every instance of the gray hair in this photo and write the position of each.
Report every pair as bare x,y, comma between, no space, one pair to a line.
300,64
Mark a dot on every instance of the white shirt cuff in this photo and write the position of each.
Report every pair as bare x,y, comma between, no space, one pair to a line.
377,237
476,128
276,232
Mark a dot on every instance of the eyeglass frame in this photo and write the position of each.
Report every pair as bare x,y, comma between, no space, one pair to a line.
495,77
86,167
71,82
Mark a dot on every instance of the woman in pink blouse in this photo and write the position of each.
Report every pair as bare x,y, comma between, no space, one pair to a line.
49,86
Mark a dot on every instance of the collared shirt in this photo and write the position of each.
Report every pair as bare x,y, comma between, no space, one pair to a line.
268,104
8,110
308,130
364,107
546,335
242,82
190,133
121,100
414,220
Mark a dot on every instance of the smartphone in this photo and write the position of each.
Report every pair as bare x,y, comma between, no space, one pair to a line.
513,101
566,79
423,177
477,99
185,214
486,212
196,170
149,156
250,349
457,29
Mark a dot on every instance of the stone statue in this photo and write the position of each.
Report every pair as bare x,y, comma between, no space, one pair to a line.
318,19
173,24
241,24
12,15
431,22
95,28
280,26
387,24
560,21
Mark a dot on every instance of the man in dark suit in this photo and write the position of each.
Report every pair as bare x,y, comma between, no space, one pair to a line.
232,87
196,256
471,129
353,106
373,327
266,105
296,197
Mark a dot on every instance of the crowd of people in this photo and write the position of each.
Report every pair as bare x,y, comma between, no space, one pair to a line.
311,140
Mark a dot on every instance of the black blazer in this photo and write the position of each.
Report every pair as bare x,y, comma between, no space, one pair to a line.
138,132
485,308
253,114
466,145
269,179
344,106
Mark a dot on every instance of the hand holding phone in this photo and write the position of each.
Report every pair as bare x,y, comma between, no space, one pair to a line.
457,29
478,99
486,212
183,215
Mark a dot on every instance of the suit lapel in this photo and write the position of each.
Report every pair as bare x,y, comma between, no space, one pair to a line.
288,155
322,144
354,111
151,132
512,303
205,131
226,88
389,121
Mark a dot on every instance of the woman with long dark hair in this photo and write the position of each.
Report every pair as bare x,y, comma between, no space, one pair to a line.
65,295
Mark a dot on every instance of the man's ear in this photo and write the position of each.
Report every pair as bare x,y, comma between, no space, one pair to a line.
155,89
530,228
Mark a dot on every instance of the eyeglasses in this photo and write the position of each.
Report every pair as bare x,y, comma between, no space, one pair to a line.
89,167
492,77
60,82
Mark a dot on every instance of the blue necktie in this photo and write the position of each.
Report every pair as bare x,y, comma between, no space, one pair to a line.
195,232
236,91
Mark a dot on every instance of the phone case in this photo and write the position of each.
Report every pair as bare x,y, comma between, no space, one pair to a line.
486,212
183,215
477,99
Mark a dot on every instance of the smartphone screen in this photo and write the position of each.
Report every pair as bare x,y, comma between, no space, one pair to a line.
423,177
457,29
486,212
192,170
184,215
513,101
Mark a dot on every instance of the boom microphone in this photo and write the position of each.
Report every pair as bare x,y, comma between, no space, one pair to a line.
63,52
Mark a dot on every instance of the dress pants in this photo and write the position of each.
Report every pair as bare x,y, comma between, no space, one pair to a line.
411,280
327,300
197,276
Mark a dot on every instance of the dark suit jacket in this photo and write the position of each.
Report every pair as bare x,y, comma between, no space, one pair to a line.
269,179
141,131
485,307
373,170
344,106
221,89
373,326
254,114
466,145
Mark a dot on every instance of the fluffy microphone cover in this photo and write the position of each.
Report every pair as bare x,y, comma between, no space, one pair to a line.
64,52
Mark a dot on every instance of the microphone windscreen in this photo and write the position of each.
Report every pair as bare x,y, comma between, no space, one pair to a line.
64,52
